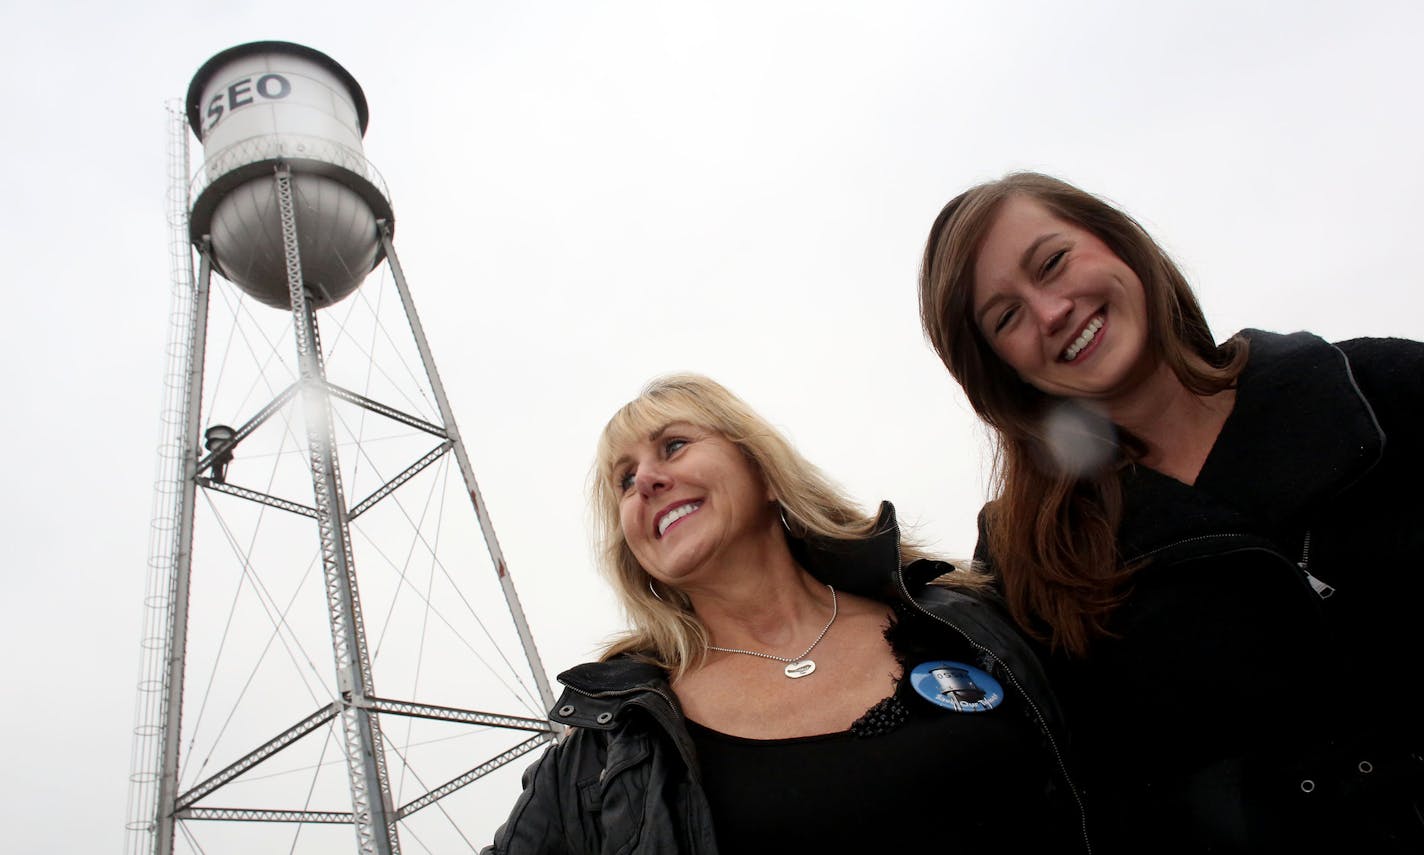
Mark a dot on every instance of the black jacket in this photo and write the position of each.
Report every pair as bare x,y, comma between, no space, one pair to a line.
1238,709
625,780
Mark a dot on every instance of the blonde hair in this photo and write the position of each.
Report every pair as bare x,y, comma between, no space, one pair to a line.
665,630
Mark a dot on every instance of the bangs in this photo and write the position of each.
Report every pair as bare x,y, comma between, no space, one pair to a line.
644,417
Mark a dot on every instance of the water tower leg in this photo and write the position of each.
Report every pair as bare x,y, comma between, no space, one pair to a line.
372,811
486,526
171,730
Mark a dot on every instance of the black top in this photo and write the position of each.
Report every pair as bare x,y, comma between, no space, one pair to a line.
907,774
627,779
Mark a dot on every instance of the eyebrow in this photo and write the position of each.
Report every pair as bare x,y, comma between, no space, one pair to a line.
623,459
1026,260
1025,264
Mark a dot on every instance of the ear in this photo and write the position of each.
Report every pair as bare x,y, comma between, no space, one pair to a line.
768,490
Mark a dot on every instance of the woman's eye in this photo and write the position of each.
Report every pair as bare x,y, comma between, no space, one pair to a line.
625,481
1052,262
1005,318
672,446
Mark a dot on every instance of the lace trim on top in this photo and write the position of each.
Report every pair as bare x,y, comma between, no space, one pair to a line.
882,718
890,712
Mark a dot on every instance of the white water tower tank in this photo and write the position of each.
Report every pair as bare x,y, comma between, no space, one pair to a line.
257,106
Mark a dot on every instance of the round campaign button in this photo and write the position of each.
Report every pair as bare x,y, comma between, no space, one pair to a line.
956,686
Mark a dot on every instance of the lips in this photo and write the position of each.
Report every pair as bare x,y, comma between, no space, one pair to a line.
1084,338
670,515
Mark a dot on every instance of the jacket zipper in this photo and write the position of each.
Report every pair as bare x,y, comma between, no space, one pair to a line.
1177,543
1318,587
1321,588
1013,679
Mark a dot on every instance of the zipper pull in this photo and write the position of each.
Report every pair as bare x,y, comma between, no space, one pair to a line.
1322,590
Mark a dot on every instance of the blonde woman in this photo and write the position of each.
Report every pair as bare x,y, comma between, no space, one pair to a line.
792,681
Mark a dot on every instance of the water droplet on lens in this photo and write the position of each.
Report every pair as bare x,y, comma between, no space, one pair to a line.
1079,440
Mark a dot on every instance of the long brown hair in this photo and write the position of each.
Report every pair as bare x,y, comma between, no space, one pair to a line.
1052,533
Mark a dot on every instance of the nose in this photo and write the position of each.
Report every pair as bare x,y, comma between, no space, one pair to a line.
1050,310
651,480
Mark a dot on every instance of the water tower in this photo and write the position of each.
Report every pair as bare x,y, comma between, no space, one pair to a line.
290,392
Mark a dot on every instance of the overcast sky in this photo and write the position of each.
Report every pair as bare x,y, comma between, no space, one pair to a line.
589,194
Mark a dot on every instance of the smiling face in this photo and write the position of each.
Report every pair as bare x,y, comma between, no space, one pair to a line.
689,499
1059,307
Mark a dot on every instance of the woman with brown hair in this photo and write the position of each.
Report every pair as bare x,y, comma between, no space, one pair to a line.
1216,548
797,676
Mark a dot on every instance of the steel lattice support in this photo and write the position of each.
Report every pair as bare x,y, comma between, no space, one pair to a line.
365,756
374,815
390,486
240,213
439,713
330,817
260,498
253,423
506,582
263,753
474,774
175,653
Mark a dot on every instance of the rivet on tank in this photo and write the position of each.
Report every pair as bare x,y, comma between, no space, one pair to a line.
257,106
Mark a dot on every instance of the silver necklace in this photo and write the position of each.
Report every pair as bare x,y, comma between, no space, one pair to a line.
799,666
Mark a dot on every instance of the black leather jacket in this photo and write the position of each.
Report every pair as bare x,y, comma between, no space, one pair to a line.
625,780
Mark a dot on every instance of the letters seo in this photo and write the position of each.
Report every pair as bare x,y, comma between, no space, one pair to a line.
248,90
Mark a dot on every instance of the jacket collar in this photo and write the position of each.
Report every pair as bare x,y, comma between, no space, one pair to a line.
868,567
1299,433
619,676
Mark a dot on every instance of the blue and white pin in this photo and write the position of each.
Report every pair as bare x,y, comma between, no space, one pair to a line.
956,686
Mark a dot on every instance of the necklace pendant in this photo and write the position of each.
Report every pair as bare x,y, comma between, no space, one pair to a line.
800,668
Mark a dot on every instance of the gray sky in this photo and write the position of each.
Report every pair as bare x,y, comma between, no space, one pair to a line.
590,194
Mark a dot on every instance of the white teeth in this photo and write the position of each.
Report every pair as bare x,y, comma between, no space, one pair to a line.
1082,341
676,514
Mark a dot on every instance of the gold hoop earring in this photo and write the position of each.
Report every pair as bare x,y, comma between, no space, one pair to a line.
654,592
